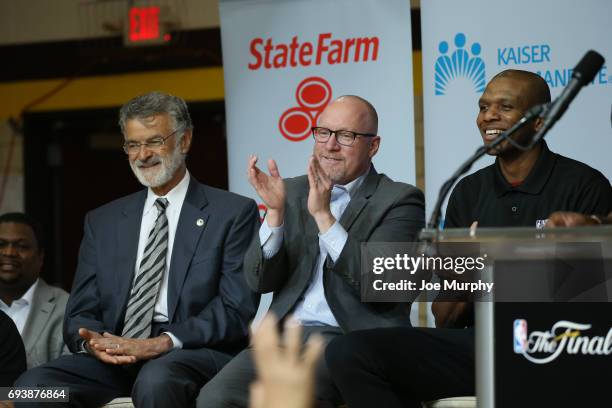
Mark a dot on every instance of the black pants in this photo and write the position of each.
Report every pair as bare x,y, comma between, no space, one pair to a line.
172,380
399,367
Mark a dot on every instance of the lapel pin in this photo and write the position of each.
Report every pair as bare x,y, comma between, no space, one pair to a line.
200,222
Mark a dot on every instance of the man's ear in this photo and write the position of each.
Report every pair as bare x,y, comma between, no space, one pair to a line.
374,146
186,141
538,123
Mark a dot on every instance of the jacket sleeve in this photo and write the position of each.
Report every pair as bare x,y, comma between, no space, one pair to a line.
265,275
401,223
56,344
83,308
225,319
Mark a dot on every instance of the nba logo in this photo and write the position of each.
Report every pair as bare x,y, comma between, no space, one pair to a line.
540,224
520,336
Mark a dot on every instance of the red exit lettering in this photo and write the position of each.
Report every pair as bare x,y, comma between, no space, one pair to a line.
144,23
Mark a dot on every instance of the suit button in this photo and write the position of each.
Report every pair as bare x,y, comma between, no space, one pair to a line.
514,208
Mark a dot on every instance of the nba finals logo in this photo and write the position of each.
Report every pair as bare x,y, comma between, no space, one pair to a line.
564,337
459,63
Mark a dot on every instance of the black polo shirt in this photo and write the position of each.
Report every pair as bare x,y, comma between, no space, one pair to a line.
555,183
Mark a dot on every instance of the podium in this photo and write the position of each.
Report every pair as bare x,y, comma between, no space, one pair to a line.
544,336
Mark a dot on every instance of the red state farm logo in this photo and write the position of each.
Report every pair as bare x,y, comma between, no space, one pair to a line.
312,95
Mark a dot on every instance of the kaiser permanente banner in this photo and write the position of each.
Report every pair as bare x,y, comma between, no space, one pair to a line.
466,43
284,61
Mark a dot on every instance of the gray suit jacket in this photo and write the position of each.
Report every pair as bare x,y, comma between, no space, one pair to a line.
381,211
42,333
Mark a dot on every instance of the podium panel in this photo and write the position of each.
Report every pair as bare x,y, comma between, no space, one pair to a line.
553,354
545,336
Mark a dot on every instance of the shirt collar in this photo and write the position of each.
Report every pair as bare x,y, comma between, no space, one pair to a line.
354,185
535,180
29,295
176,195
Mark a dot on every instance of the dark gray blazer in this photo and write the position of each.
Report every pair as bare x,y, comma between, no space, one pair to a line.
209,303
381,211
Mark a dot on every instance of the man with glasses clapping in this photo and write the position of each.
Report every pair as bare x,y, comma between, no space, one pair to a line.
308,248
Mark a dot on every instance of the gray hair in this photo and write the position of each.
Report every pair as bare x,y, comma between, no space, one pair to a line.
154,103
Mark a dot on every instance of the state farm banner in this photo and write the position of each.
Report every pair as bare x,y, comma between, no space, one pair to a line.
466,43
284,61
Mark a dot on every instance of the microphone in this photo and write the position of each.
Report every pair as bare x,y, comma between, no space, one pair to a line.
534,112
583,73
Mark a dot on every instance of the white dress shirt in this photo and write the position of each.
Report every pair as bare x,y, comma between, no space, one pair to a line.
175,198
313,309
19,310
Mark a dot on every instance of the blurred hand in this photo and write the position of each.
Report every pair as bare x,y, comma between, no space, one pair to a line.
285,373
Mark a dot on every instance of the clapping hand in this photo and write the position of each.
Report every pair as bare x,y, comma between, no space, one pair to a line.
319,195
270,188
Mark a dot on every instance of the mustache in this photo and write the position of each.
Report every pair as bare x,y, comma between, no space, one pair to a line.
148,162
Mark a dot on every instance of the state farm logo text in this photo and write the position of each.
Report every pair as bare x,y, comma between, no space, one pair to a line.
269,54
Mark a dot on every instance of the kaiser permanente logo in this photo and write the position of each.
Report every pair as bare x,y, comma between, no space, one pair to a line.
458,63
542,347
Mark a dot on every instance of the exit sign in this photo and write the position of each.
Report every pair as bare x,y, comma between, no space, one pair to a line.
144,26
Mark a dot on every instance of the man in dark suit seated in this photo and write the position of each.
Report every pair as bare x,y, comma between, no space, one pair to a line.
308,249
36,307
399,367
159,302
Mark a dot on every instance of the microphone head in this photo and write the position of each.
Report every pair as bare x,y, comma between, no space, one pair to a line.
536,110
588,66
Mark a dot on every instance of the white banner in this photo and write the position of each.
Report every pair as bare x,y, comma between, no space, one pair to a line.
283,61
476,39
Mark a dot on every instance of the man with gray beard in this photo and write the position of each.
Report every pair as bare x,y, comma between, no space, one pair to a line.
159,303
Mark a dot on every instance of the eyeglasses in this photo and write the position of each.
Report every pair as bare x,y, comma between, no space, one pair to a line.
343,137
131,147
